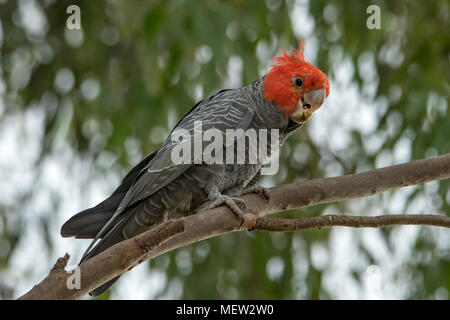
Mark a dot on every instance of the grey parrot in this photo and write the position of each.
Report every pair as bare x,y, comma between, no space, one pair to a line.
157,189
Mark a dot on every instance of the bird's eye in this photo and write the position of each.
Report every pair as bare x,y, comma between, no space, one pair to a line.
298,81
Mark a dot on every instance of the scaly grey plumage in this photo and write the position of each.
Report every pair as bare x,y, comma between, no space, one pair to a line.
157,190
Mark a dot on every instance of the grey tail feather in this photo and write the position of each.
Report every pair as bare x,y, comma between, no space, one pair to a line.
111,238
98,291
105,243
86,224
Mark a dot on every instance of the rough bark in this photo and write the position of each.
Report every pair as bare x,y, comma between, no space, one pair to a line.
286,225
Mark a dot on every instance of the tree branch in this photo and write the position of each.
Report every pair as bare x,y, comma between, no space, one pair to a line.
103,267
284,225
218,221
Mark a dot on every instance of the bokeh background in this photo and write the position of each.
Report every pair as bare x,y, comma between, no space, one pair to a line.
79,108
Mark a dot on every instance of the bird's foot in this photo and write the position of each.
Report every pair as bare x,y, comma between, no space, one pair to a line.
236,205
264,192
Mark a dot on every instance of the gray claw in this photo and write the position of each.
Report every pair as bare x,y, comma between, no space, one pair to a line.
233,204
258,190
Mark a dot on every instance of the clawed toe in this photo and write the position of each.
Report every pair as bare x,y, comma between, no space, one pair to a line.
236,205
258,190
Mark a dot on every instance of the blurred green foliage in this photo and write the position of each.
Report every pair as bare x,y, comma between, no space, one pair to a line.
136,67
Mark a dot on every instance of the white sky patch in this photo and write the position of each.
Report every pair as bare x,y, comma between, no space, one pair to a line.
330,13
345,258
396,200
20,70
319,256
174,290
20,136
74,38
64,80
302,22
203,54
184,261
232,30
275,268
234,71
384,159
141,284
372,281
33,19
265,50
300,266
402,150
374,242
373,143
90,89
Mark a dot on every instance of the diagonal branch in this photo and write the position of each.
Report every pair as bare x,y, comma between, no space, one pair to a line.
103,267
218,221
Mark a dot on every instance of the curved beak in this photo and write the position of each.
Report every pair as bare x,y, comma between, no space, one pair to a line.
308,104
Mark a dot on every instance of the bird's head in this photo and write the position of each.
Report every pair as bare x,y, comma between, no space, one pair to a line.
296,86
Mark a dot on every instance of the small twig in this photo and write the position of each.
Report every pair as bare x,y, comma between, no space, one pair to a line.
279,224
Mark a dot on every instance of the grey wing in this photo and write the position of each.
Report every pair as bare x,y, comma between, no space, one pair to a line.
221,114
222,111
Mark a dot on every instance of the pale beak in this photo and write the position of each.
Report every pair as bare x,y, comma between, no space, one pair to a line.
308,104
